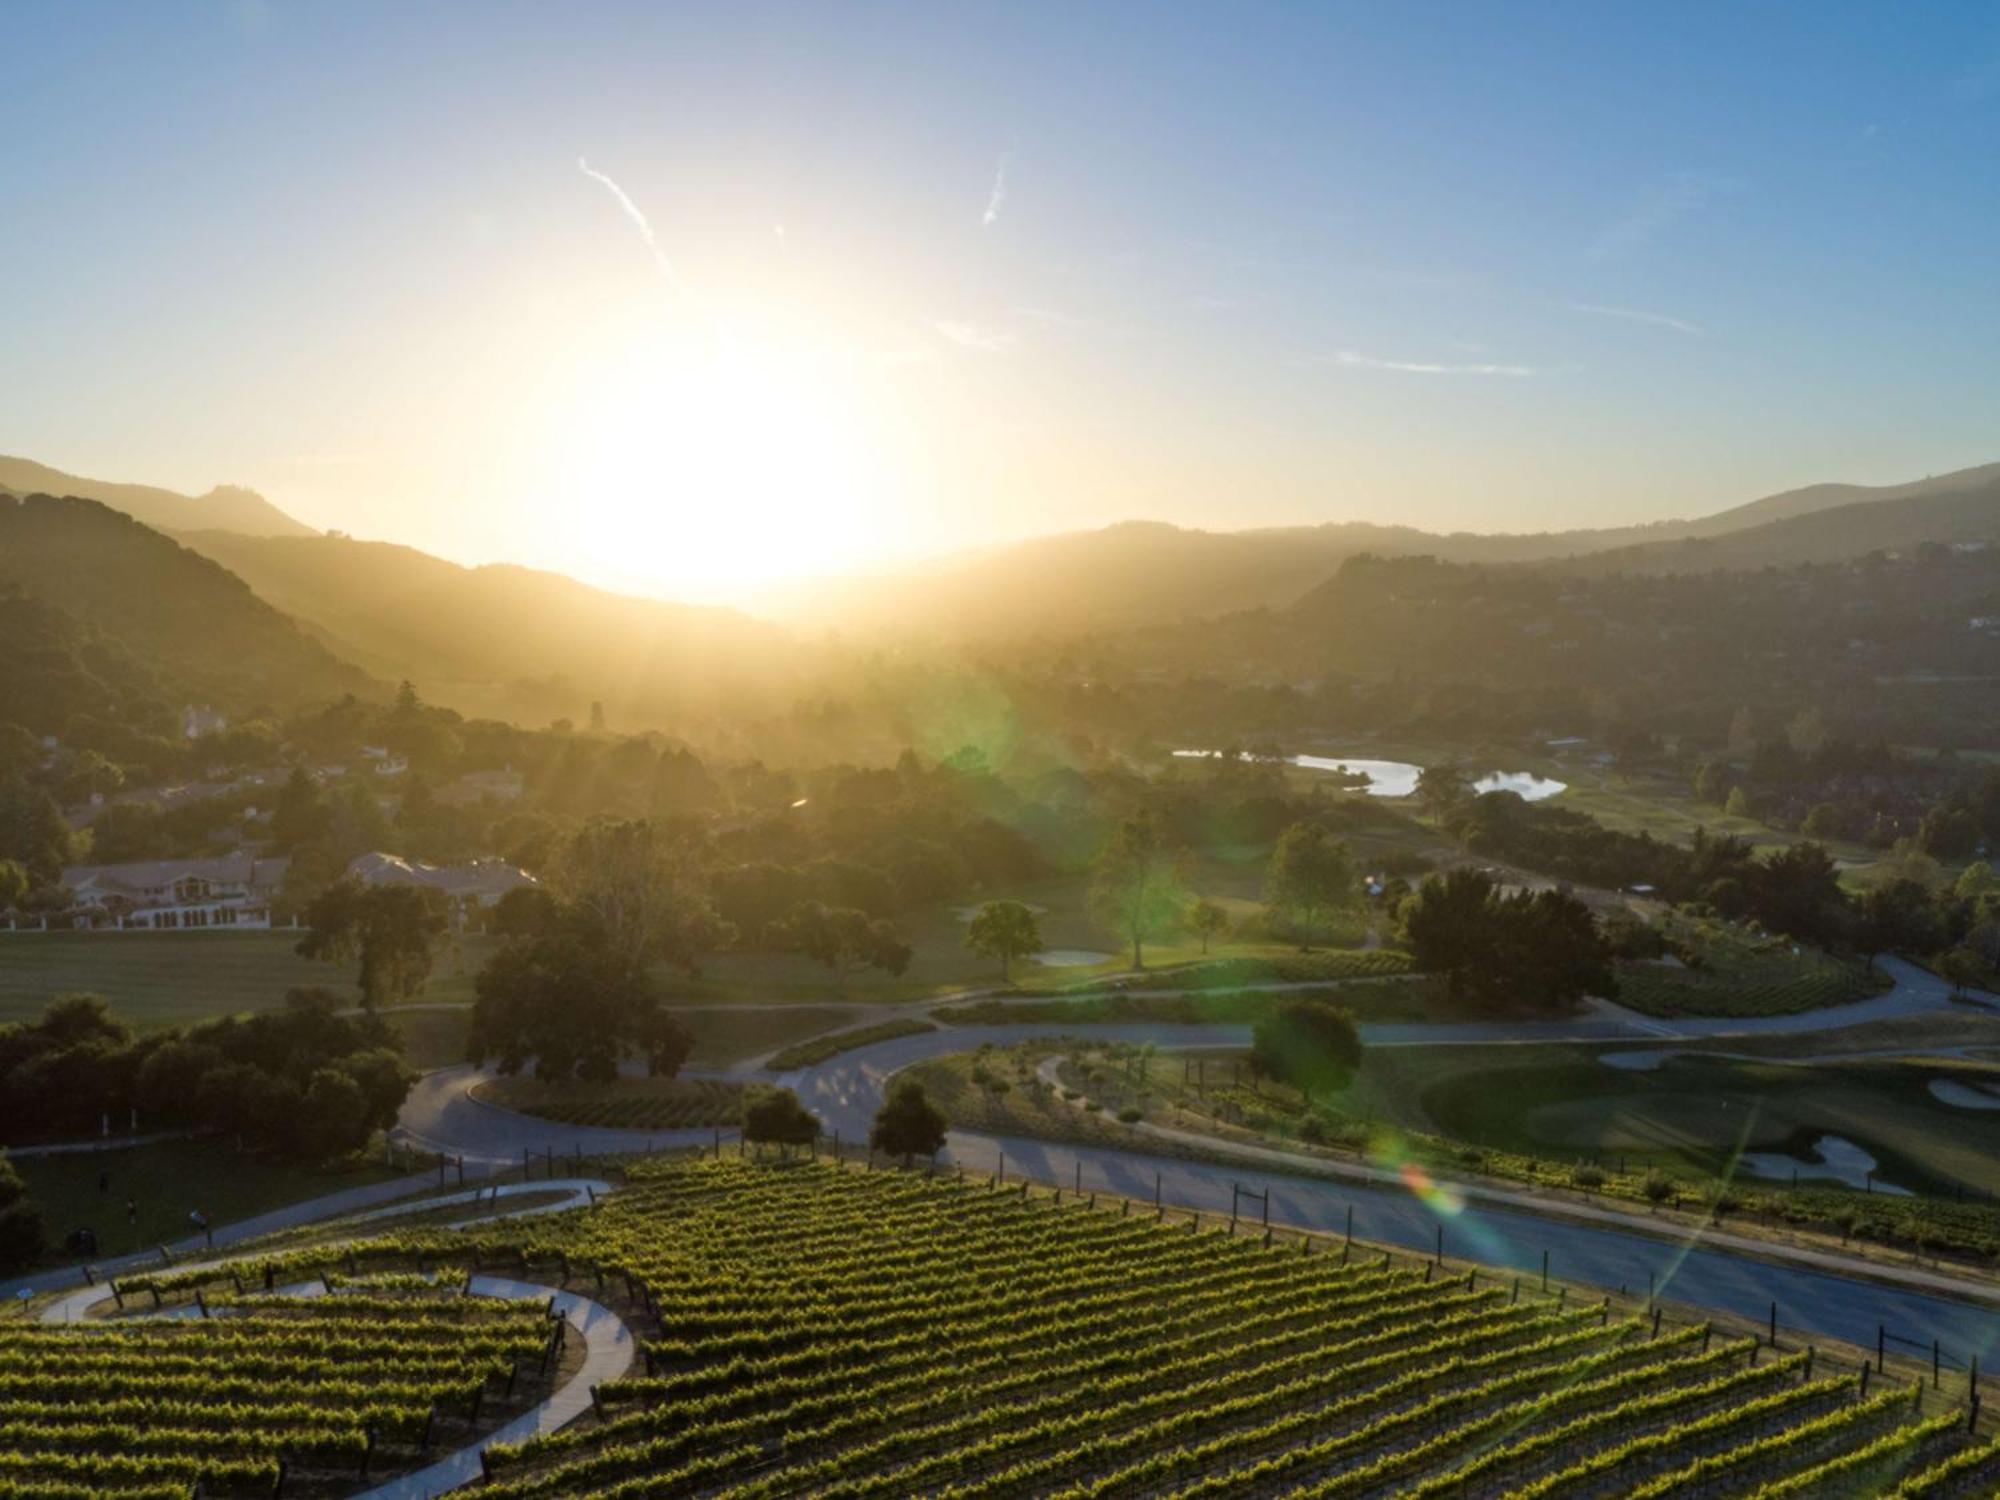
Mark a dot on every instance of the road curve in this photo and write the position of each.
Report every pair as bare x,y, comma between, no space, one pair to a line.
1495,1226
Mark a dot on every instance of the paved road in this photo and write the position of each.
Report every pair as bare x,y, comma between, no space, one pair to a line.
1494,1225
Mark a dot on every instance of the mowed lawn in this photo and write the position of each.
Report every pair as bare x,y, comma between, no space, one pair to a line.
167,1179
169,979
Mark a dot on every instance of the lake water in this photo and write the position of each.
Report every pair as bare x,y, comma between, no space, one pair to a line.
1070,958
1963,1095
1840,1160
1398,778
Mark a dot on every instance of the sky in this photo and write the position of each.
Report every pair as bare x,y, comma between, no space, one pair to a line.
693,300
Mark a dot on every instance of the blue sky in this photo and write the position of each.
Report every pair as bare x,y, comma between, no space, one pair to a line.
977,272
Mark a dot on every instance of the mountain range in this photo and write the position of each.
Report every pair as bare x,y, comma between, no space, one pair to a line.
1142,572
227,507
225,587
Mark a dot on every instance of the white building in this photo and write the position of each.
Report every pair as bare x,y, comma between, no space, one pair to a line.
176,895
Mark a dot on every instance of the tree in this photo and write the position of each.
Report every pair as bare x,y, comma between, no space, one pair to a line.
1737,804
20,1221
1311,879
1135,889
1441,791
13,883
394,929
1208,920
1711,783
1822,821
301,814
1528,952
1962,967
566,1002
1444,924
1005,930
644,889
908,1124
843,939
774,1115
1309,1044
573,987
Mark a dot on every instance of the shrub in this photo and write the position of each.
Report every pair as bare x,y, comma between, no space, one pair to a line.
1587,1177
1659,1187
1130,1116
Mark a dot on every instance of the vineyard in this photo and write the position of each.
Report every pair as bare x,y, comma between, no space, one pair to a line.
266,1394
823,1330
850,1334
623,1104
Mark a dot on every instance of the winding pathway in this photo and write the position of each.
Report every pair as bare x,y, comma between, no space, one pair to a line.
1820,1293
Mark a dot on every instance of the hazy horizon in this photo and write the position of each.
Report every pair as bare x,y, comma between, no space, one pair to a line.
697,305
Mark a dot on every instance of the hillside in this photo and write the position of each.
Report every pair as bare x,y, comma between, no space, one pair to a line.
503,640
1950,516
193,622
224,508
1140,573
810,1330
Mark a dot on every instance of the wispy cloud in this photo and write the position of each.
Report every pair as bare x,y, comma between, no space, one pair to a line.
996,197
1349,359
639,222
1636,315
1656,208
980,338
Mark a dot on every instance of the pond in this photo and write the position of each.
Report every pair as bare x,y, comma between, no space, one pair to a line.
1398,778
1963,1095
1839,1160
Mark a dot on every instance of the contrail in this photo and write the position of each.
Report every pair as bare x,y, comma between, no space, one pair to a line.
638,222
996,198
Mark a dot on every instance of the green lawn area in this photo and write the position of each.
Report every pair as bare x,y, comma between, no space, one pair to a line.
624,1103
167,1179
1691,1112
170,979
805,1054
722,1034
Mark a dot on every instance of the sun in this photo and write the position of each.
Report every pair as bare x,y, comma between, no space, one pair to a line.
707,461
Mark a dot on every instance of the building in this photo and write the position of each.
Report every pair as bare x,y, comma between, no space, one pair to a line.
468,887
176,895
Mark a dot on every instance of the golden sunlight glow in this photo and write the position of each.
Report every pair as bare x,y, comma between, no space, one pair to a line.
705,457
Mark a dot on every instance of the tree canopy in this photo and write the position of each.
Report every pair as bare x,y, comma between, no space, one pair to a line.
393,929
775,1116
1136,888
1005,930
908,1124
1527,952
1311,880
1309,1044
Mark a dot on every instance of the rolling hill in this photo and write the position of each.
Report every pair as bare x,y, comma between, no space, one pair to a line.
1142,573
224,508
200,628
502,640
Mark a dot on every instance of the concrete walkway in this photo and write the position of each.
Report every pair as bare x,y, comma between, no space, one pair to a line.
310,1211
607,1355
576,1191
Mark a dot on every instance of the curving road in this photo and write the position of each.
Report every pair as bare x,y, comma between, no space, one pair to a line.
1816,1293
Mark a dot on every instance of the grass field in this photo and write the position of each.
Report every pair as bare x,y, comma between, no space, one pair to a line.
831,1331
624,1103
165,1180
723,1035
818,1049
170,979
